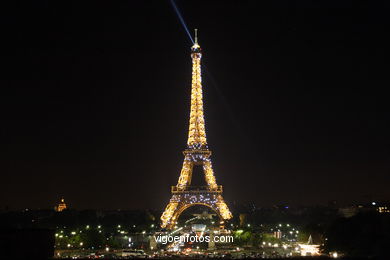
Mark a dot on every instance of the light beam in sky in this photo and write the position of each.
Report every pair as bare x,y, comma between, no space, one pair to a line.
177,11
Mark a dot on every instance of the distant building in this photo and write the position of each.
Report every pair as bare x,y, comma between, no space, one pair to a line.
243,218
348,212
198,227
61,206
204,215
309,249
278,234
383,209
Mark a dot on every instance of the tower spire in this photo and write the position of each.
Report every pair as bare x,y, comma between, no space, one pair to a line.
196,47
196,131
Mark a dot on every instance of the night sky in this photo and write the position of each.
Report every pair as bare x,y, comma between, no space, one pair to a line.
95,100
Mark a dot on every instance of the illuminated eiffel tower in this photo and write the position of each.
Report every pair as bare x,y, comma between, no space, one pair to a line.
197,153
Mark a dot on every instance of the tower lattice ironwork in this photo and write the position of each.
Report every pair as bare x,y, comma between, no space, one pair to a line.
196,153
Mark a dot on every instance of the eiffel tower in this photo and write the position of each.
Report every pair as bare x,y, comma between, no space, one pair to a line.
196,153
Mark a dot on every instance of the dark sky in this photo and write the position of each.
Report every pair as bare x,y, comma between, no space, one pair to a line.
95,101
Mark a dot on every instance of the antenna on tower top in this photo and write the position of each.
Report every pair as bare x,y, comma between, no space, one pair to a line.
196,35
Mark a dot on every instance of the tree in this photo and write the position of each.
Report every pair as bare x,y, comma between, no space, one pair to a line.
363,235
242,237
93,238
270,238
